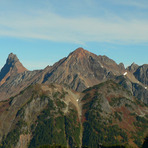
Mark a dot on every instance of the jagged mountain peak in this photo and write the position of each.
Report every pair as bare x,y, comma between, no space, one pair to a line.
133,67
82,69
13,62
121,65
12,57
12,67
80,50
80,53
141,74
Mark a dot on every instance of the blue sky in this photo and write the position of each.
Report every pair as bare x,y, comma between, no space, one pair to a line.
41,32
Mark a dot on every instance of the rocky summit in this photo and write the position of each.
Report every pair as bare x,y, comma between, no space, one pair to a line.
141,74
81,69
83,100
12,67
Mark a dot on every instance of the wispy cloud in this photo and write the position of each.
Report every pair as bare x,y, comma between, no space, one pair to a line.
133,3
51,26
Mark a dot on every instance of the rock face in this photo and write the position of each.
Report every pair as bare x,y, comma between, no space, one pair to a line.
62,104
111,65
53,114
142,74
137,90
12,67
19,81
82,69
108,112
133,67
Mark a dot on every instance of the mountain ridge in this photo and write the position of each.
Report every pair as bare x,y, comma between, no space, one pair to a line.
81,100
79,70
107,113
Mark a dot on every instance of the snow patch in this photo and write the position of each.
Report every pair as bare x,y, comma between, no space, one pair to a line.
125,74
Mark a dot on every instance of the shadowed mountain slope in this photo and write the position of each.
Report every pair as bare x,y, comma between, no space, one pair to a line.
132,68
112,116
39,115
105,114
82,69
19,82
138,90
141,74
12,67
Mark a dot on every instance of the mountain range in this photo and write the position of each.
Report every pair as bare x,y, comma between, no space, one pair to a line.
80,70
81,100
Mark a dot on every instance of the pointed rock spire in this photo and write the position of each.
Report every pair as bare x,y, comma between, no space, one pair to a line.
12,67
133,67
12,58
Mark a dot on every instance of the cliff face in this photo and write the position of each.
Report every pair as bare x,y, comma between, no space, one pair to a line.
141,74
53,114
133,67
82,69
137,89
12,67
82,100
19,81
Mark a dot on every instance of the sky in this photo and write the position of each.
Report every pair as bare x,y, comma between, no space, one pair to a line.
41,32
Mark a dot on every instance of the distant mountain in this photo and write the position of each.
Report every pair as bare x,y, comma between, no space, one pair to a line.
16,78
137,81
103,115
81,69
121,66
20,81
137,89
133,67
141,74
83,100
12,67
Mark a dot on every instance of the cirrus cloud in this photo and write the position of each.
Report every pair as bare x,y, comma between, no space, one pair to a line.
52,26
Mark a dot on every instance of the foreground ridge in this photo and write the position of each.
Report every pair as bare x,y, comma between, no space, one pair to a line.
105,115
